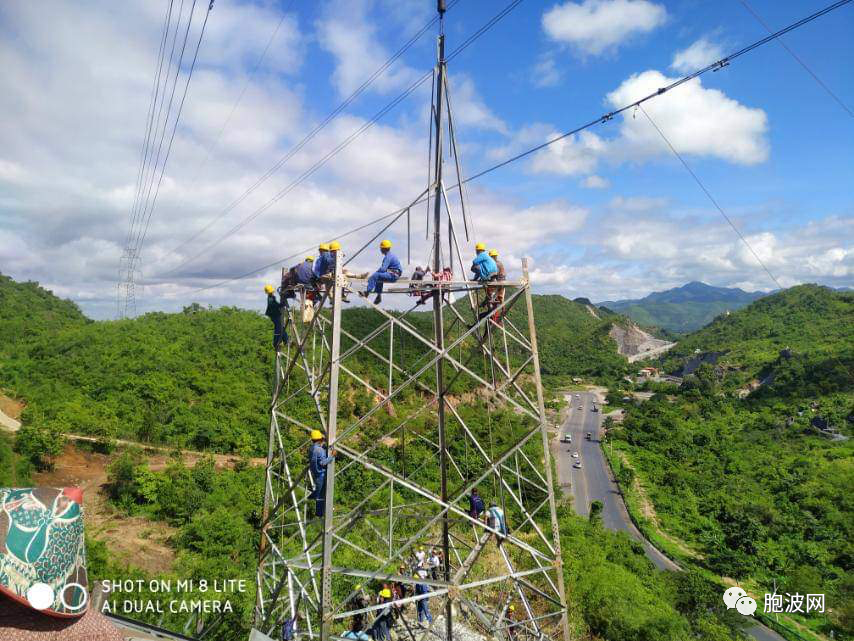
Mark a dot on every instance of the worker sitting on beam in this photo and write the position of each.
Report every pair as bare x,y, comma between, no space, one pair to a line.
389,271
483,266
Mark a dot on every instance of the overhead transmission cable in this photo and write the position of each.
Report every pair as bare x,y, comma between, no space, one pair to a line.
346,142
798,59
720,64
309,136
240,96
175,124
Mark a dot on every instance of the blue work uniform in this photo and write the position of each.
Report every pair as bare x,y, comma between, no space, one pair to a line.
274,313
305,272
475,505
318,459
495,519
484,266
423,604
321,264
389,271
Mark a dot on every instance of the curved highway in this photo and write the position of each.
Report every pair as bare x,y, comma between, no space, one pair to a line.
593,482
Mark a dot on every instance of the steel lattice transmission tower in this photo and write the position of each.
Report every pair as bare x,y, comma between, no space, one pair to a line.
420,407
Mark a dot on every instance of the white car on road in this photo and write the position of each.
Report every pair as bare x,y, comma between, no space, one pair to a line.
567,438
577,465
575,455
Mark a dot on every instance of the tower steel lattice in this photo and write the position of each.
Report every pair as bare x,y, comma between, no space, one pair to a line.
420,408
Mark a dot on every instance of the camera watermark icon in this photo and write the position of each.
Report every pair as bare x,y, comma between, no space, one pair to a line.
737,598
41,596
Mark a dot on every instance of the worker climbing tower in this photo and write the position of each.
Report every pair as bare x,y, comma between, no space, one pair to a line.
420,407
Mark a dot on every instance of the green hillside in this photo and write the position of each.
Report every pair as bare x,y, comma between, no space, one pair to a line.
200,379
744,477
27,310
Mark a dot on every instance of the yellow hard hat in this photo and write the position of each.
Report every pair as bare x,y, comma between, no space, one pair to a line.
334,246
268,289
480,247
358,586
324,247
512,608
385,593
309,259
385,244
493,253
316,435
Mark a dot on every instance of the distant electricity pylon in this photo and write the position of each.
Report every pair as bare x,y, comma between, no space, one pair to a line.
420,408
126,287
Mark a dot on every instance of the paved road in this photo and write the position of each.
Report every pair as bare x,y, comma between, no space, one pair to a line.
594,482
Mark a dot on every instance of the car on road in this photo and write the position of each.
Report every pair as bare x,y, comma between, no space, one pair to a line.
577,465
580,407
577,396
575,455
594,409
567,438
589,436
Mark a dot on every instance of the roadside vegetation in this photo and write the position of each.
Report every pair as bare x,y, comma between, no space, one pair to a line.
742,475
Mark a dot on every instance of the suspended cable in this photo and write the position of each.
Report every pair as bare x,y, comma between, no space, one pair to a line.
175,124
341,146
310,135
711,198
602,119
798,59
723,62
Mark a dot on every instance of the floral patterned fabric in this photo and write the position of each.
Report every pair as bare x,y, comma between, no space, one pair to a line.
41,541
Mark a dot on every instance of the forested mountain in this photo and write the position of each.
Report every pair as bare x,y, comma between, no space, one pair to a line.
733,459
683,309
200,379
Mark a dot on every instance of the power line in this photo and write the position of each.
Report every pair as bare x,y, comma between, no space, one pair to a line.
309,136
346,142
798,59
711,198
601,120
720,64
175,124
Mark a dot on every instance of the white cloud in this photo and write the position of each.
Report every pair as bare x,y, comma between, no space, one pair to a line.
596,182
594,26
545,72
700,54
573,155
469,108
696,120
345,32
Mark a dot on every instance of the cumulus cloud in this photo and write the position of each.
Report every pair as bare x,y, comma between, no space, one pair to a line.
639,241
469,108
697,120
345,32
699,54
595,26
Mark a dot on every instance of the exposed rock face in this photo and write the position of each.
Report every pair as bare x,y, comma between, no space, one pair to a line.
635,344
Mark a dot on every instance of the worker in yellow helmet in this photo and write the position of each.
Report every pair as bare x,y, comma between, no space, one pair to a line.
274,313
381,629
318,460
511,621
389,271
495,294
483,266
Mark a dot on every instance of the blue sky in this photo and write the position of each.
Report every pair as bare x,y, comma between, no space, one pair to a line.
608,214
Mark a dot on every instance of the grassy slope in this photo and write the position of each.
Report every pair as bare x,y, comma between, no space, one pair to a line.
747,482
